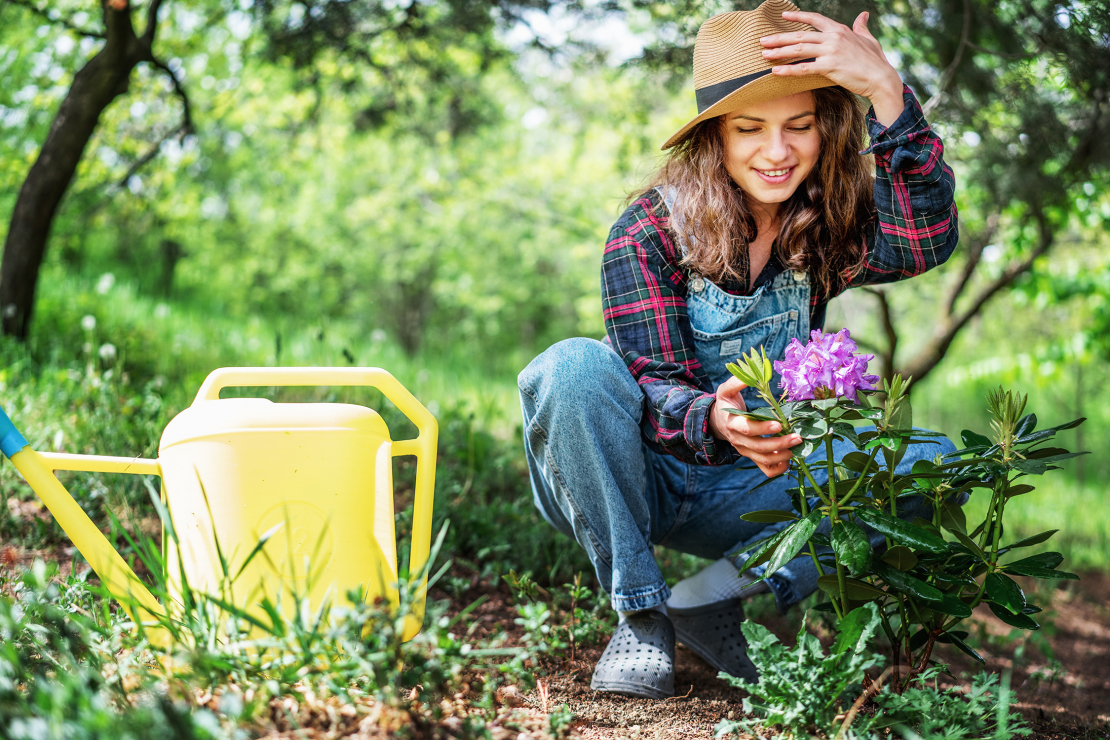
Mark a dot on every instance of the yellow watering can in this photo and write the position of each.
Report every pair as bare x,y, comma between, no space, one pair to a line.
314,481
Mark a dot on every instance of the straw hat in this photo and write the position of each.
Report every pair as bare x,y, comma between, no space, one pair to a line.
730,70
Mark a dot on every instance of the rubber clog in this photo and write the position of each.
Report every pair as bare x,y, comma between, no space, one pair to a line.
713,633
639,659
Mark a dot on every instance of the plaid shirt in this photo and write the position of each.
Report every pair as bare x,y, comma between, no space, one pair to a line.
644,287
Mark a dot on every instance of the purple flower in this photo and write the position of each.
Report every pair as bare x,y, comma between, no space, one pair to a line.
827,367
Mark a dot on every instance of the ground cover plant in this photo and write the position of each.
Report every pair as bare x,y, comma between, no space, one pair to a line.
918,585
121,406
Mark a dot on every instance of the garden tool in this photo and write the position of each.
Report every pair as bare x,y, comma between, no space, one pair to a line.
278,501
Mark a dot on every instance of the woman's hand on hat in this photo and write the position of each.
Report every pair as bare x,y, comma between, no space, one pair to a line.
850,57
747,436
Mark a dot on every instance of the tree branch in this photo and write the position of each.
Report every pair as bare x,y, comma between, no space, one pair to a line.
180,132
950,70
179,90
46,13
151,22
933,352
886,357
978,244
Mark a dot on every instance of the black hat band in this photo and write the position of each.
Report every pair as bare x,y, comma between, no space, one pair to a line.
709,96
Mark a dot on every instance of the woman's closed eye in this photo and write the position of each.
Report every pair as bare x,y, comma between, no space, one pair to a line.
795,129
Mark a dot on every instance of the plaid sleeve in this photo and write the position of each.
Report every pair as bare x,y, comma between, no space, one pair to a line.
917,225
644,307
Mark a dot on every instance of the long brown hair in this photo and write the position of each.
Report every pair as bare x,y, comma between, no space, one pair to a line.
821,224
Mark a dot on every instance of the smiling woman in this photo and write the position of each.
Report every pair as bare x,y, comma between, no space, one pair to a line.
764,210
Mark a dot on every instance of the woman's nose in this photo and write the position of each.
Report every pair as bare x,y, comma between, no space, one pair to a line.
778,148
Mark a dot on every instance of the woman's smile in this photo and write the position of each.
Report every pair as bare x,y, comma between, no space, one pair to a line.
778,176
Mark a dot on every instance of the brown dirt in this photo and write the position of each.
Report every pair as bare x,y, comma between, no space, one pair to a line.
1070,699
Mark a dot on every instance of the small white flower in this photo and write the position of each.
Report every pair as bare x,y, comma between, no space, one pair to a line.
105,283
107,352
88,323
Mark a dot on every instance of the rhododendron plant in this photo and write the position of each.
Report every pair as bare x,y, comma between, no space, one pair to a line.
925,575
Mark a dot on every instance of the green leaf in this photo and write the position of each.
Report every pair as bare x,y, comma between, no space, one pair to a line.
763,551
1048,560
970,545
1030,541
1018,490
846,430
902,532
856,629
1021,621
1046,573
825,403
922,471
856,461
953,518
907,584
857,590
900,557
1026,425
1004,591
811,428
768,516
971,439
958,642
951,605
852,547
793,539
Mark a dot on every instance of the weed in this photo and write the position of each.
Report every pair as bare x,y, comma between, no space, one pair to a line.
560,721
803,689
932,713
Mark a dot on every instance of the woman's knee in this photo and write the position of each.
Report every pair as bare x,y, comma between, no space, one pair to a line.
579,372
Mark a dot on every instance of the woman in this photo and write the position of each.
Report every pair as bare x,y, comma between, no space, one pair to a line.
765,209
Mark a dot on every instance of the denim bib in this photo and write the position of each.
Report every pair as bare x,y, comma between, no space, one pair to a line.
726,326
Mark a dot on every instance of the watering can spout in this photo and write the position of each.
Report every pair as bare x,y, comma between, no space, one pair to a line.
117,577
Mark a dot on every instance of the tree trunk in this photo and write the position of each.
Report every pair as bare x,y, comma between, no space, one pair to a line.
95,86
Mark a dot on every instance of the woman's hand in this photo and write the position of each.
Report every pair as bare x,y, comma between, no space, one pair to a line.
771,454
850,57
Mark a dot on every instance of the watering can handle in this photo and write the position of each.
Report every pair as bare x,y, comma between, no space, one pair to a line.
38,470
423,447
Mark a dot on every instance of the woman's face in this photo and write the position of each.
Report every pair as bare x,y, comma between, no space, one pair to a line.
771,147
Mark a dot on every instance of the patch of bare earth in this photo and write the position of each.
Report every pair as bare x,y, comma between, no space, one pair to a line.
1068,699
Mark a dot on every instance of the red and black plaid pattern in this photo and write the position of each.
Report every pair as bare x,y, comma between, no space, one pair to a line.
644,287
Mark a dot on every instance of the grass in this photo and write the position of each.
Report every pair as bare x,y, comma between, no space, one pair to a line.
67,392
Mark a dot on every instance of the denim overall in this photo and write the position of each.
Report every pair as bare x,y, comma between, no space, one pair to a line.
595,479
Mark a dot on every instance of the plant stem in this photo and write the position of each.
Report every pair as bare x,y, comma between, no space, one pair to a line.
859,480
834,517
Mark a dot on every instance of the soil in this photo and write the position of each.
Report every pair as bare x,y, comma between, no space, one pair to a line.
1060,675
1068,698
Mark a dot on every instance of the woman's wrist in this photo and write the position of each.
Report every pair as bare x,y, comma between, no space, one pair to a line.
888,102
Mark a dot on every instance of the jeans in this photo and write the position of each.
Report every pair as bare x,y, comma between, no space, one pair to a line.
595,480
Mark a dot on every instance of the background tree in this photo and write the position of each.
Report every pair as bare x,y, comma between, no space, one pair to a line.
423,60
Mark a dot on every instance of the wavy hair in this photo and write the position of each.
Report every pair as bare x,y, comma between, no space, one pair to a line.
821,224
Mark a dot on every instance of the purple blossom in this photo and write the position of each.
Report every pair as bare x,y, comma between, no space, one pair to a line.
825,368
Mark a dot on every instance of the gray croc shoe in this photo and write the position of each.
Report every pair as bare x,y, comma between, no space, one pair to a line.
639,660
713,632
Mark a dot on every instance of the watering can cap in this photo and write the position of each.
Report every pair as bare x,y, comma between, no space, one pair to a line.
234,415
11,441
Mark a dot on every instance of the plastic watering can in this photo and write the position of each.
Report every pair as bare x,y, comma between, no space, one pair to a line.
314,481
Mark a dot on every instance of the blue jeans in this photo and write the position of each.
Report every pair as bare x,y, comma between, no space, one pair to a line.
595,480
